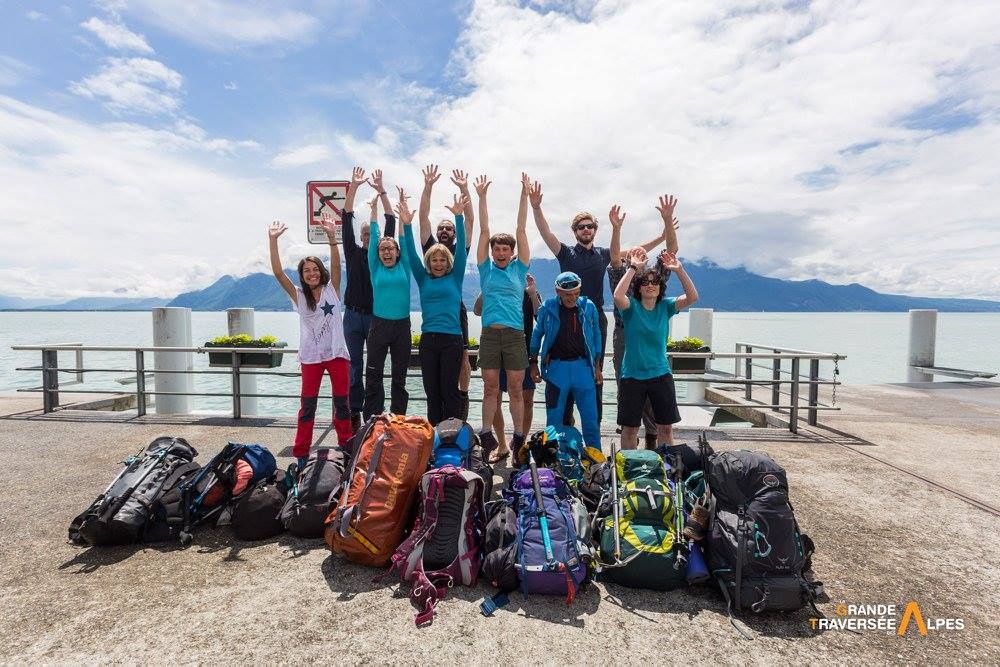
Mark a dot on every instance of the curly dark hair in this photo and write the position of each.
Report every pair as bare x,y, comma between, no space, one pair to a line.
642,275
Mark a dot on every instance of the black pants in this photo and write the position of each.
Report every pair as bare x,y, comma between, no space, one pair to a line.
440,362
392,337
602,319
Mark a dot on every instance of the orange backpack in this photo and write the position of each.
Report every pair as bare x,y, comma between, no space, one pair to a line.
376,505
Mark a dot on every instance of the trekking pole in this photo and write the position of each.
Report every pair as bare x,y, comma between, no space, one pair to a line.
550,559
677,467
615,512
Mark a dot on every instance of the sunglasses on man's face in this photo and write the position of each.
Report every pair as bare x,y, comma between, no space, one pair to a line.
568,286
586,226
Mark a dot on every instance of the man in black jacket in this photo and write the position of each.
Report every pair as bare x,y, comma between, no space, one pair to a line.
358,294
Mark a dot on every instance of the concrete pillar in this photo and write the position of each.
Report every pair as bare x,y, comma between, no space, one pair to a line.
923,339
172,328
241,322
699,326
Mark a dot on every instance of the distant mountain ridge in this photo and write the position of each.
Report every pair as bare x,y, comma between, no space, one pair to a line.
723,289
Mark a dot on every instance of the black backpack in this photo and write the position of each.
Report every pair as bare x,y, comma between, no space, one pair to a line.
124,511
756,551
313,491
257,513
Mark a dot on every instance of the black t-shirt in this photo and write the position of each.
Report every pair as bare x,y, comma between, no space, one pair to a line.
590,264
358,291
570,343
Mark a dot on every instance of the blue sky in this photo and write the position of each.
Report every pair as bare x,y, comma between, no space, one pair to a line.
146,144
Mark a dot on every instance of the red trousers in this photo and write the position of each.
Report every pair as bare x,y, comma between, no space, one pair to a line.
312,376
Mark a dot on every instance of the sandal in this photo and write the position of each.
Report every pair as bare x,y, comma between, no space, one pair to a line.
494,460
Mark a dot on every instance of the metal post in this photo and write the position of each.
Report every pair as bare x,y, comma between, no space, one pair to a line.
237,413
776,385
920,351
140,383
736,362
240,321
79,365
813,390
50,380
749,373
793,410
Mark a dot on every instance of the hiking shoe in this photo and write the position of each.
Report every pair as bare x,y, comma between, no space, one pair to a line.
697,521
650,441
489,443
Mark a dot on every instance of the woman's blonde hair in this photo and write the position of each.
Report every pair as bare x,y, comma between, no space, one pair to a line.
435,249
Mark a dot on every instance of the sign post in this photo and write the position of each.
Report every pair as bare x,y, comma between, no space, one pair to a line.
328,197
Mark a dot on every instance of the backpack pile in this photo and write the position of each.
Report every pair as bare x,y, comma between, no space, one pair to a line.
391,453
532,539
257,513
456,444
313,492
124,512
755,549
443,548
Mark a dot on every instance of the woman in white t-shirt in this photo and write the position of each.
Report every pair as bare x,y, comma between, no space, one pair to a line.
321,337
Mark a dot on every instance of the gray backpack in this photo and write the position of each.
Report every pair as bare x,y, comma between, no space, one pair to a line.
313,492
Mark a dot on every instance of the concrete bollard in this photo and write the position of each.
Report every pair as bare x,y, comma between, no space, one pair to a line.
700,326
241,322
172,328
923,339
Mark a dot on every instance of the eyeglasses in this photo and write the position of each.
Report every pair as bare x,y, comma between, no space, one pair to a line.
586,226
649,281
568,285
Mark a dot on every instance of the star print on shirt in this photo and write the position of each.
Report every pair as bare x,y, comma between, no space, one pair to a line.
327,308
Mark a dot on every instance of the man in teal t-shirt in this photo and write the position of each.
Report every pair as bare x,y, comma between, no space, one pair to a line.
646,312
502,278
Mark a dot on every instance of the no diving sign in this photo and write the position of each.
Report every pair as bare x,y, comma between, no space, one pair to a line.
324,197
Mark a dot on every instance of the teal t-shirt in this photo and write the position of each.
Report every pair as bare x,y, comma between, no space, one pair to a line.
440,298
391,286
646,333
503,293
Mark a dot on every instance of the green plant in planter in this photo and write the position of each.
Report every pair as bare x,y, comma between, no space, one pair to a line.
415,340
689,344
244,340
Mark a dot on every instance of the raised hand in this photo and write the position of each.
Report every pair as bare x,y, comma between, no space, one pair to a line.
376,181
402,209
460,179
529,281
431,175
482,184
535,194
638,258
357,177
402,194
328,224
459,205
525,183
666,207
617,216
373,205
276,229
669,261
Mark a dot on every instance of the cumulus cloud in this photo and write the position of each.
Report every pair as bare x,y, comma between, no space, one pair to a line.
116,36
301,156
129,85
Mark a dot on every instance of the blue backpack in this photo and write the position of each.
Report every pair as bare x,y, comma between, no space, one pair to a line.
454,444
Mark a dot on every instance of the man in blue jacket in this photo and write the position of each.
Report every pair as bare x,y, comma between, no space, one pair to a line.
567,337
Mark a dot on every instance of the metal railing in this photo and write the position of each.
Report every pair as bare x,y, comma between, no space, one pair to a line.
745,354
812,379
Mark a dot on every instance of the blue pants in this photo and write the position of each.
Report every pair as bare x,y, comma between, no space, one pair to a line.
356,326
563,377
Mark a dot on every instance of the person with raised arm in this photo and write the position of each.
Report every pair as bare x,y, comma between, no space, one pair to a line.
439,281
322,348
446,235
619,263
358,300
390,330
502,280
646,311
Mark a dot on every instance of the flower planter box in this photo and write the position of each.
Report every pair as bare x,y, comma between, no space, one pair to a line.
692,365
473,357
247,359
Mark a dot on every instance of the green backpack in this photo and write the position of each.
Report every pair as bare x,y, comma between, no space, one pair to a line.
646,523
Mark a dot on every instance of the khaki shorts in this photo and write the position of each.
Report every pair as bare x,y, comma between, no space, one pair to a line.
503,347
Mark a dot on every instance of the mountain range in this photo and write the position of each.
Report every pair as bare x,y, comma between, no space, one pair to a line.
723,289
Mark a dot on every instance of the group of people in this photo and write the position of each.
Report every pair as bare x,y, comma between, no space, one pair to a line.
524,339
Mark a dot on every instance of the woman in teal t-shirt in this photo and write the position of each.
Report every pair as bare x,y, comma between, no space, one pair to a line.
390,330
439,279
645,370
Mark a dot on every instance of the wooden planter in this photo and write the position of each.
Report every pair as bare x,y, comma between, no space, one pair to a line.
692,365
247,359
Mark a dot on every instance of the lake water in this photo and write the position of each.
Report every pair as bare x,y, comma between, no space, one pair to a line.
875,345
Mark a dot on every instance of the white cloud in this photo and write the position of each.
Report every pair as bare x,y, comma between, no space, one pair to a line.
133,85
117,36
231,85
800,139
220,24
301,156
34,15
13,71
92,208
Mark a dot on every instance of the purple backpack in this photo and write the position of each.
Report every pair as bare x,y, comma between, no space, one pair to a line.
443,548
566,572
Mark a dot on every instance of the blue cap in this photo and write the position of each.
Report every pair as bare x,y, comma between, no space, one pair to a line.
567,280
